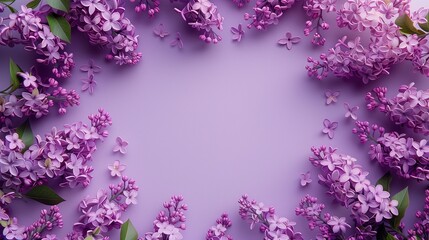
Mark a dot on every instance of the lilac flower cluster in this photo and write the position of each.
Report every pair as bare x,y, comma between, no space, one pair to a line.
314,10
28,27
33,98
105,24
330,227
203,16
403,155
170,221
218,232
410,107
347,182
103,213
267,12
272,226
369,59
421,227
61,154
151,6
48,220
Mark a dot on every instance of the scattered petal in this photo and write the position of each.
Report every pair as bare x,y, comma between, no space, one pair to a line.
177,42
88,84
331,97
237,33
121,145
289,40
305,179
329,128
351,111
116,168
160,31
91,68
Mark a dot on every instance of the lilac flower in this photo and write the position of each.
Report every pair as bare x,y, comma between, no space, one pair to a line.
218,232
408,108
351,111
305,178
329,128
177,42
89,84
267,13
29,80
331,97
289,40
130,197
15,141
160,31
90,68
270,224
204,17
116,168
237,33
170,221
367,216
330,227
121,145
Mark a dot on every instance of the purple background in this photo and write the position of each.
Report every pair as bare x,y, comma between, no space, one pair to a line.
215,122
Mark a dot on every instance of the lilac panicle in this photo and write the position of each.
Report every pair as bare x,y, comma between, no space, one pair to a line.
404,156
170,222
330,227
272,226
203,15
218,232
28,27
104,23
315,10
267,13
102,213
62,154
370,205
410,107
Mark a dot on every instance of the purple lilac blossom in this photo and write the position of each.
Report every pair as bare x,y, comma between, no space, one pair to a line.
370,205
203,15
289,40
330,227
170,222
218,232
314,10
272,226
102,213
105,24
369,59
62,154
405,156
267,12
28,27
410,107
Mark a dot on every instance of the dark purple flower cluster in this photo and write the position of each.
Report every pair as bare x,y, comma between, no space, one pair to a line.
405,156
170,221
61,154
315,10
330,227
105,24
203,16
267,12
240,3
34,97
103,213
370,205
410,107
272,226
28,27
49,219
151,6
218,232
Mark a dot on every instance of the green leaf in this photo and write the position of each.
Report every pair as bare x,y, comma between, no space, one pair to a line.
385,181
406,25
14,80
403,201
63,5
59,26
33,4
44,194
128,231
382,234
11,9
425,26
26,134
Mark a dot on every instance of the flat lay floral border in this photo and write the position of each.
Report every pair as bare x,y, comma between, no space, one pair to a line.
33,166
